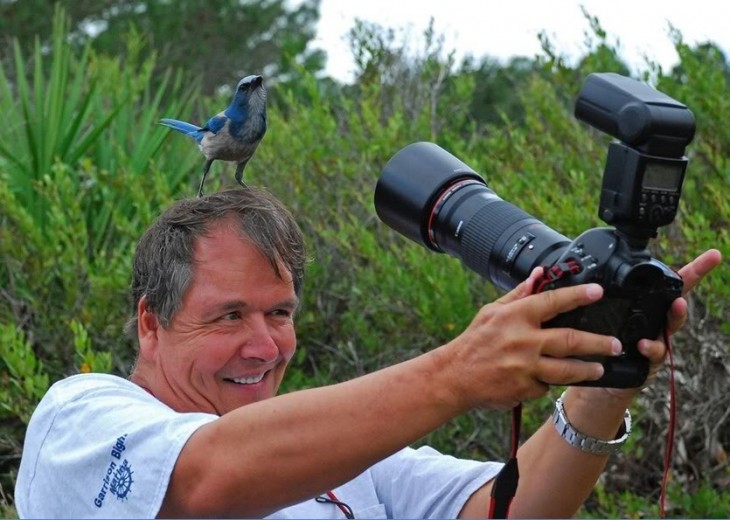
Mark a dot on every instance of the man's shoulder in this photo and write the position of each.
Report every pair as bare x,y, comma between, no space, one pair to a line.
79,383
74,387
83,390
90,433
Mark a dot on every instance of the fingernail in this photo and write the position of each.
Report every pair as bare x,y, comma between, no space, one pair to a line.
616,347
594,291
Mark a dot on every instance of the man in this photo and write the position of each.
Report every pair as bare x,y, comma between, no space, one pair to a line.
198,430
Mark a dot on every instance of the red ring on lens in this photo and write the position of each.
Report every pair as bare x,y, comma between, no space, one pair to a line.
448,192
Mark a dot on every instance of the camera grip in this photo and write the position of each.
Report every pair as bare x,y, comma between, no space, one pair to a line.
621,372
629,320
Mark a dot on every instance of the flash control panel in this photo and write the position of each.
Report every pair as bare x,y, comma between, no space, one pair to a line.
657,207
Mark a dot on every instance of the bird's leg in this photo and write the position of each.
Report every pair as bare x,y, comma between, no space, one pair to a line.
239,173
206,168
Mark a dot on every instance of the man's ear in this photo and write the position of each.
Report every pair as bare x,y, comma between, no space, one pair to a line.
147,329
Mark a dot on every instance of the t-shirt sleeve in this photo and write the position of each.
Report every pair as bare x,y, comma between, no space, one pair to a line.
423,483
107,452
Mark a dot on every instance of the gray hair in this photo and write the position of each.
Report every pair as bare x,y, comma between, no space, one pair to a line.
163,261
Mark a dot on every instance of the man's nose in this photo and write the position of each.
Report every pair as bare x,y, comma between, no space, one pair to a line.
258,342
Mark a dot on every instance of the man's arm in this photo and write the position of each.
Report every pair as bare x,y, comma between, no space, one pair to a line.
270,454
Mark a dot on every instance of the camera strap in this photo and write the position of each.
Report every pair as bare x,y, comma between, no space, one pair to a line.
556,272
505,483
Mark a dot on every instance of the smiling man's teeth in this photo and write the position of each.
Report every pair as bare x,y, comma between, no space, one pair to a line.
248,380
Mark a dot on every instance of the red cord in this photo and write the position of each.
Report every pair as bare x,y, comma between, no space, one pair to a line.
516,428
336,501
556,272
670,428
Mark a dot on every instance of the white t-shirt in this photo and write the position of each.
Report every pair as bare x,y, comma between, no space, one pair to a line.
99,446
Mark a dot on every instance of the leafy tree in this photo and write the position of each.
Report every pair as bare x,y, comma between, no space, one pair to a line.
219,40
496,86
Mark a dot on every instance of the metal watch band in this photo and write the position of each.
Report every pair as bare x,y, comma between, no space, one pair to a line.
584,442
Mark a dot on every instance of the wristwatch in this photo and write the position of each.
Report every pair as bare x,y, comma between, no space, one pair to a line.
584,442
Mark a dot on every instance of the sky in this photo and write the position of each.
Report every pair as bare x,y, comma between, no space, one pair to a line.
505,28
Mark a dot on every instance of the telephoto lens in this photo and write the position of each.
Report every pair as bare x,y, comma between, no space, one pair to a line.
433,198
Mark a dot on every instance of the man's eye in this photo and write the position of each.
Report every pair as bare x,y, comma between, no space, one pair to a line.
235,315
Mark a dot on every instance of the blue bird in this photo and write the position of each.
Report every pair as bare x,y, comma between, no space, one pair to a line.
234,134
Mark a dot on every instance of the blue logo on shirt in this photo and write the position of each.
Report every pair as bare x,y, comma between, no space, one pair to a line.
122,481
118,478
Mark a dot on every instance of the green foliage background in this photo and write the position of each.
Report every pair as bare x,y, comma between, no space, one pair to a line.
84,168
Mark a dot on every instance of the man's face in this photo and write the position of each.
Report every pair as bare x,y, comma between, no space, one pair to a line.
230,343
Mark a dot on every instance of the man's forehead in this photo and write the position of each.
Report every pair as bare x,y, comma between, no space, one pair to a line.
224,240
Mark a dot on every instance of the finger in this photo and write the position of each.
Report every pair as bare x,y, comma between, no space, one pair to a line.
548,304
697,269
677,315
537,390
567,371
523,289
568,342
655,351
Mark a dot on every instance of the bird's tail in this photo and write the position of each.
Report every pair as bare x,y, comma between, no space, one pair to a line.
181,126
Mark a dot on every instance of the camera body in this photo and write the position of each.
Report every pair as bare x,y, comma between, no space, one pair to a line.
433,198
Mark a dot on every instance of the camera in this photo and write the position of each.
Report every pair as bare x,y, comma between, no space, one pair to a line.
433,198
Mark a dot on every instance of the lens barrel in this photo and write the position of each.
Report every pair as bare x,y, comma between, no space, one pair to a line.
411,184
433,198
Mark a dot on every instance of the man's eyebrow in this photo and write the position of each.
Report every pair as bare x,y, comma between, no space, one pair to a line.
289,303
231,305
211,311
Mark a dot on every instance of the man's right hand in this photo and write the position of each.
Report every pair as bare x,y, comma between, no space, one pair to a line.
505,357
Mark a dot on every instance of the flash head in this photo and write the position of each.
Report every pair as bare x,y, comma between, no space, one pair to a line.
636,114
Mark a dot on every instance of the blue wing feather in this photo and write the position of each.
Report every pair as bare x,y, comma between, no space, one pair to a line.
215,124
180,126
